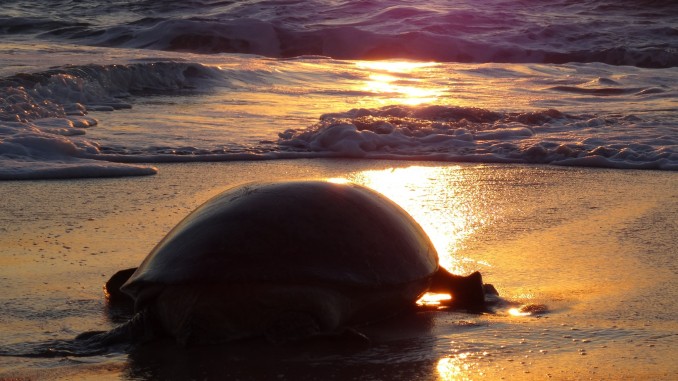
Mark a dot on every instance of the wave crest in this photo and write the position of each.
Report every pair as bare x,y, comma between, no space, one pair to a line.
554,31
43,117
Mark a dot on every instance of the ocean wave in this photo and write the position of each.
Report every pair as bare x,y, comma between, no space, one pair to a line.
43,116
462,134
58,91
251,36
554,31
45,124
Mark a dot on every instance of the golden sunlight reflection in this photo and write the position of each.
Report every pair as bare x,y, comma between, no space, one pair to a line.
518,312
394,66
429,194
455,368
431,299
398,81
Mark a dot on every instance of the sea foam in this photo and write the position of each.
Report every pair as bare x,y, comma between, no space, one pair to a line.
478,135
43,116
223,113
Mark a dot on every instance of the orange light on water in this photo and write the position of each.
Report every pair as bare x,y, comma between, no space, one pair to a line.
431,299
395,66
517,312
338,180
457,367
399,82
429,195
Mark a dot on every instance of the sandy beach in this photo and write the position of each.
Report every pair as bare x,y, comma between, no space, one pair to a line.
592,250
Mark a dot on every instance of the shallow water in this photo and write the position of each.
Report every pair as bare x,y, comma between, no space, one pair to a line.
228,108
594,259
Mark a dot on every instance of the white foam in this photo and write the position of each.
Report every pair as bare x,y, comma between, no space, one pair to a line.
50,149
43,118
446,133
68,168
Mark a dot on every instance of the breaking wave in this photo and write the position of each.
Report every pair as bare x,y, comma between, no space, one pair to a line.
44,123
43,116
462,134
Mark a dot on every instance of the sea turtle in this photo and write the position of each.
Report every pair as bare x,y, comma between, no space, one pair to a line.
285,261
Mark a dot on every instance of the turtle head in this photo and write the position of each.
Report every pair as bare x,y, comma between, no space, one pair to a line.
468,292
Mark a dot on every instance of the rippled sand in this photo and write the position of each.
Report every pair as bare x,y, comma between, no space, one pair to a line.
584,259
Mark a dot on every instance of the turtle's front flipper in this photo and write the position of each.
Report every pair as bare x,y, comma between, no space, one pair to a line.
112,287
114,296
139,329
467,292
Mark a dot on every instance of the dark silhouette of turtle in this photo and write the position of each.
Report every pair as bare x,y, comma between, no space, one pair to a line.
286,261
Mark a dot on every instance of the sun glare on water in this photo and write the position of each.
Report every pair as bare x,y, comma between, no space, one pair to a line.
399,81
445,211
395,66
517,312
431,299
457,367
428,194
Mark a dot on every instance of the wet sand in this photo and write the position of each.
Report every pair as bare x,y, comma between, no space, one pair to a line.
592,250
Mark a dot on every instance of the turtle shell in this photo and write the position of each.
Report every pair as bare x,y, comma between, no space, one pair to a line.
302,232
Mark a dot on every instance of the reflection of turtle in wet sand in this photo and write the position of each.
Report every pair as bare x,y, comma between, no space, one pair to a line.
285,261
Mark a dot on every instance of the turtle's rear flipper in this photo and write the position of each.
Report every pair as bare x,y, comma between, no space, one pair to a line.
93,343
292,327
300,327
